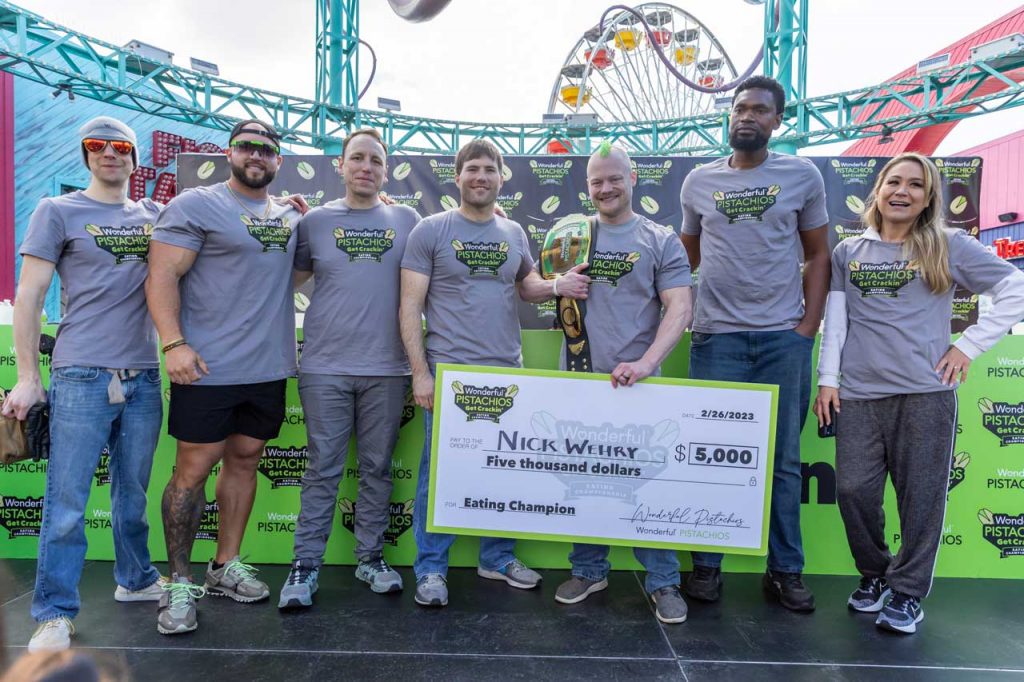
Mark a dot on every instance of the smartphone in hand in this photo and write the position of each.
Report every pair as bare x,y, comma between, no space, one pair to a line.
829,430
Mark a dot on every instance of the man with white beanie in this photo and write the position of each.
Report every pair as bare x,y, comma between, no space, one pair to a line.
105,378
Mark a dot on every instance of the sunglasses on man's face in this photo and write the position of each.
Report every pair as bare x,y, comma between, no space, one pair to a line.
252,146
120,146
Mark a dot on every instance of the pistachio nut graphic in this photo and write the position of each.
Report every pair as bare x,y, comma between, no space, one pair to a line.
458,387
773,190
301,302
402,171
649,205
339,233
986,517
94,230
390,234
503,247
985,405
506,173
512,391
836,164
961,460
667,164
958,205
206,170
855,204
550,205
854,265
457,245
533,164
305,170
718,196
448,203
633,257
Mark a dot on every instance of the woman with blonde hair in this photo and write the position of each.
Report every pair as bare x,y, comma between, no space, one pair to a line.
887,361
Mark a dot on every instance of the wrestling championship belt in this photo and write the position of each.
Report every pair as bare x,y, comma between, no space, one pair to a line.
570,242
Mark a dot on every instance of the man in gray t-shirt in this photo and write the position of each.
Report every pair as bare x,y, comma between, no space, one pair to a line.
105,383
463,267
219,291
637,270
749,220
354,375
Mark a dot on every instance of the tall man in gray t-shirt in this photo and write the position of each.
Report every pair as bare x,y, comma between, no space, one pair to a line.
105,378
353,376
463,267
747,220
219,291
654,292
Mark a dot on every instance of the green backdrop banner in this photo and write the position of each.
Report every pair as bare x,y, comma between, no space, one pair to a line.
983,535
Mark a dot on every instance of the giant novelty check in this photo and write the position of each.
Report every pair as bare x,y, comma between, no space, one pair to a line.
563,456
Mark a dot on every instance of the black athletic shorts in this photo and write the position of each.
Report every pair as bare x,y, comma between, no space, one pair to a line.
209,414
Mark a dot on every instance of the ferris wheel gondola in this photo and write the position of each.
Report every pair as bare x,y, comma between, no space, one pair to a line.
614,71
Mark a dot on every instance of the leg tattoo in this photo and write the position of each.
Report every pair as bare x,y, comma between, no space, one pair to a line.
182,511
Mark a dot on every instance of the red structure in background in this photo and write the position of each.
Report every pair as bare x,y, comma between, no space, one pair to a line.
1002,187
926,140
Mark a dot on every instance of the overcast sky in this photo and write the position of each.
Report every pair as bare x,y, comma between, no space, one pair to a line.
496,60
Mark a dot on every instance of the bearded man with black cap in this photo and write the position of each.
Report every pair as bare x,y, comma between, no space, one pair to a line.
105,378
219,291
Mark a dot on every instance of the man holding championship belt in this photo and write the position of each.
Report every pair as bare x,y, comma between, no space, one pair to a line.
636,269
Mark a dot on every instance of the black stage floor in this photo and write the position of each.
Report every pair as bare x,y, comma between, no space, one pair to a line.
973,630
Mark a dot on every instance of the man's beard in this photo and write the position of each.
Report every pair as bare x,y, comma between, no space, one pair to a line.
489,201
748,144
239,174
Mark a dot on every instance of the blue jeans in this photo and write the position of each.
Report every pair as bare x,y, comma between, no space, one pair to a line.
82,421
591,562
782,358
432,548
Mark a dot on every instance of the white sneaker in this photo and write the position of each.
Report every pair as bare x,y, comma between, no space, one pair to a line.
52,635
151,593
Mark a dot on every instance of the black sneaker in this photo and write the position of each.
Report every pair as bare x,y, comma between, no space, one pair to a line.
901,614
704,584
790,590
870,596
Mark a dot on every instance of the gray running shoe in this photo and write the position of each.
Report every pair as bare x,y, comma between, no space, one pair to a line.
299,588
236,580
669,605
515,573
177,610
379,576
52,635
432,590
576,589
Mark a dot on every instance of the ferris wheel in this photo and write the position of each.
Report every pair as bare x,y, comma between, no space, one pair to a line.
616,72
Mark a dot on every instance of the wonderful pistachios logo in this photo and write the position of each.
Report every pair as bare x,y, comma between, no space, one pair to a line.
283,467
746,204
847,231
411,200
607,267
21,516
1004,420
965,304
536,234
585,203
598,460
958,470
444,171
882,279
272,233
854,172
126,243
651,172
482,258
364,245
550,172
313,199
399,518
958,171
486,403
509,202
209,523
1004,531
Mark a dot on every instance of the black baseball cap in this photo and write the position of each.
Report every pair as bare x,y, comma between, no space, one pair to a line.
266,130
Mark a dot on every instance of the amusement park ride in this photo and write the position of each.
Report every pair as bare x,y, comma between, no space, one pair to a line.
654,48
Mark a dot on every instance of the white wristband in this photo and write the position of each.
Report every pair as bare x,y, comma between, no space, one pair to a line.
554,286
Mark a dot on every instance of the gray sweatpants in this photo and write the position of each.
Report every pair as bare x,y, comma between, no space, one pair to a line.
334,407
910,438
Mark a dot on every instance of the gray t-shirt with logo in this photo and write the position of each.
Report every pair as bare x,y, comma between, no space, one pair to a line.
237,308
898,330
632,264
100,251
471,302
351,326
750,249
